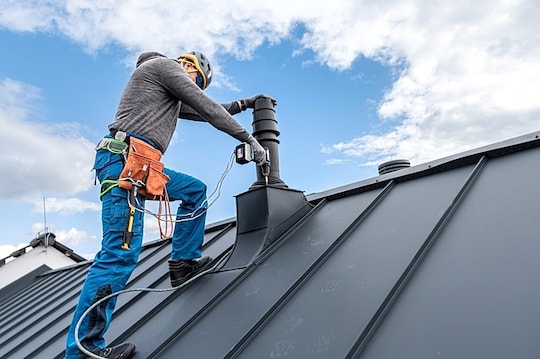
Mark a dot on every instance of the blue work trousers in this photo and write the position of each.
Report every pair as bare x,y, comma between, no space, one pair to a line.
113,265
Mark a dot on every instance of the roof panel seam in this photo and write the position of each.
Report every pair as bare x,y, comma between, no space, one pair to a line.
397,289
308,273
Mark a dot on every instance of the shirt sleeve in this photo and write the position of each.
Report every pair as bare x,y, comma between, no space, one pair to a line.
177,81
187,113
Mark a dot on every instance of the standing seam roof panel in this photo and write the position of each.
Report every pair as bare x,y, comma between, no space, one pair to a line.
244,306
470,289
151,327
476,294
364,267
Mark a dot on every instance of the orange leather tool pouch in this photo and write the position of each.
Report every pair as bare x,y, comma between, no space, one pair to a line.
144,168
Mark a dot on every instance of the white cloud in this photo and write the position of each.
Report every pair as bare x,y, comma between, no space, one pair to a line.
14,15
151,229
39,157
7,249
470,77
467,71
83,243
37,229
336,161
74,237
65,206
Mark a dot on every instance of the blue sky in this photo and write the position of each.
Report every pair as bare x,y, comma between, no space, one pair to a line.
357,83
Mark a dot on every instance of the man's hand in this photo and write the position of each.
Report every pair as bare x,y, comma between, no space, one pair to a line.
258,151
250,102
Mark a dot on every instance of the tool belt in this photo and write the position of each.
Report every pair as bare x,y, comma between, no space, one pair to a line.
142,168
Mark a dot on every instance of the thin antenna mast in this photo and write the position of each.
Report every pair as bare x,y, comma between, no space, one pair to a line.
45,224
44,213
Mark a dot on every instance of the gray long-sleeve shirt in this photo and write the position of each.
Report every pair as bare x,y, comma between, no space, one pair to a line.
158,93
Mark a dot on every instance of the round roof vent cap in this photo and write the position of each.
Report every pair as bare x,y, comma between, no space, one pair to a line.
394,165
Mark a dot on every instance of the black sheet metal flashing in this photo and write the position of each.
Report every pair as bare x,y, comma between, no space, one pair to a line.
264,214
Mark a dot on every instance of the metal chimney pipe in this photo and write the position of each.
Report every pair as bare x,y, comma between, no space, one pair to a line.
266,132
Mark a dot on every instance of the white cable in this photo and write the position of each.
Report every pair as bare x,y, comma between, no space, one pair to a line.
142,209
191,216
156,290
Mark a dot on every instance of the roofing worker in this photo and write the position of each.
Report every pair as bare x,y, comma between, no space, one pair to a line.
160,91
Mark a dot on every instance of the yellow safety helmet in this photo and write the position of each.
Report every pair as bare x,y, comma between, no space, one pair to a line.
202,65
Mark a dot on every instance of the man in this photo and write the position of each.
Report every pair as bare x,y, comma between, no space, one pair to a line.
160,91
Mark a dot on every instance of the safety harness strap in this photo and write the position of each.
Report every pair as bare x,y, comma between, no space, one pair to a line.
107,185
113,145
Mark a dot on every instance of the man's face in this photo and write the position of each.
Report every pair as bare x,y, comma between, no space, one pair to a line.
191,70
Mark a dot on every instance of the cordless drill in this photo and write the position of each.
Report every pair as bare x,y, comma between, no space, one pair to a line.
244,154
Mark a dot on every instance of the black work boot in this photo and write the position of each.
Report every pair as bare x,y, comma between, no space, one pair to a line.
120,351
182,271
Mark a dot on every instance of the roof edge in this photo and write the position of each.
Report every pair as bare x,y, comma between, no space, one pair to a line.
45,239
497,149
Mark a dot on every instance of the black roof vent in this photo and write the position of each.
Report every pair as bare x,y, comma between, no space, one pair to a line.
266,132
392,166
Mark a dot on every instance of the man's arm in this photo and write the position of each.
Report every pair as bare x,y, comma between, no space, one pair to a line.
187,113
176,81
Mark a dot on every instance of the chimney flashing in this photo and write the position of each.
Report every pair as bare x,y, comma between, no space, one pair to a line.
267,210
263,215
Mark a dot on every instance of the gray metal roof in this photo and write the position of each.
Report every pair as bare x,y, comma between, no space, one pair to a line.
439,260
